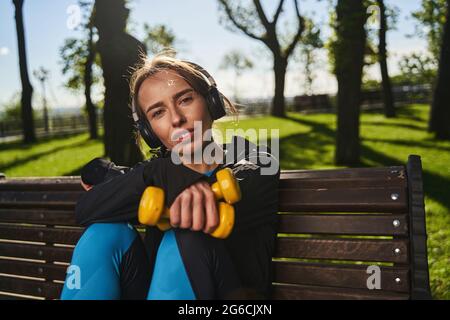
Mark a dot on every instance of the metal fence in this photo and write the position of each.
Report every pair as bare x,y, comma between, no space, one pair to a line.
62,124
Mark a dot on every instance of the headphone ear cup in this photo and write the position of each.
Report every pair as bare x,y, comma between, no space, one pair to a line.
215,103
148,135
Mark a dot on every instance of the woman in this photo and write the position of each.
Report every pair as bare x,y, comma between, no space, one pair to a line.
170,99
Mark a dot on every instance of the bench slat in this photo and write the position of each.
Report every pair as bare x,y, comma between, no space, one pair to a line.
45,289
9,297
351,224
48,271
39,216
390,173
334,275
40,234
291,292
41,184
344,200
38,199
342,249
37,252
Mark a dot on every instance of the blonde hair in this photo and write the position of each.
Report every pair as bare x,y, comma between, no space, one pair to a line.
166,61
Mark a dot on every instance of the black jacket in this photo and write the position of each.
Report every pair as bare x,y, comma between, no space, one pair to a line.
251,243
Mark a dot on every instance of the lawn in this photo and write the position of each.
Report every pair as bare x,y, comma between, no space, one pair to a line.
306,141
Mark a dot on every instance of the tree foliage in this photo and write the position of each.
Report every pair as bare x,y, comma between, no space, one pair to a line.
431,20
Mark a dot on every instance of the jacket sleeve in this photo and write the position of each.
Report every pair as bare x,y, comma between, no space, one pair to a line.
117,199
114,200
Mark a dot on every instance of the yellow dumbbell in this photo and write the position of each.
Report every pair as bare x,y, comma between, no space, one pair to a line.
226,187
153,212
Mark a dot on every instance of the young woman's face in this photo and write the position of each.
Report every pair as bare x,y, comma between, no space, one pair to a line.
172,107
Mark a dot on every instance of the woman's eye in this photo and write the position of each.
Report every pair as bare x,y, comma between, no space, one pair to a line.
157,114
186,100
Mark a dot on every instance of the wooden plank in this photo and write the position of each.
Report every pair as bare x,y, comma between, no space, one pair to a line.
418,233
48,271
383,200
335,275
346,173
39,216
17,199
37,252
343,178
40,234
343,249
41,184
373,224
11,297
367,182
45,289
291,292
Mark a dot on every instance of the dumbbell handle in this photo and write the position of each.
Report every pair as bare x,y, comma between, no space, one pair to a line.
153,212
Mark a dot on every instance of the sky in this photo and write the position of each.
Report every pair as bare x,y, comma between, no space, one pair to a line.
202,40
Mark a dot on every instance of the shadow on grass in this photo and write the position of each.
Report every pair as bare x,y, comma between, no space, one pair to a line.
394,125
42,140
429,144
305,150
34,157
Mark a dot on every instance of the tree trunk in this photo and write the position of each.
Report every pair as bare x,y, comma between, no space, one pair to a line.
440,109
90,107
29,135
389,108
351,18
119,52
279,67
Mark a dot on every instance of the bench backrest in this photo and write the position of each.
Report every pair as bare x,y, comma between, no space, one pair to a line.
334,224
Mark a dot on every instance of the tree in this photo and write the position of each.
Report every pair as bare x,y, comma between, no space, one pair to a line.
78,59
389,107
416,68
42,75
440,110
311,41
119,51
349,50
253,22
237,62
29,135
158,38
431,19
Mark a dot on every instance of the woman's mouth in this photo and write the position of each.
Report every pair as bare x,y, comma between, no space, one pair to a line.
183,136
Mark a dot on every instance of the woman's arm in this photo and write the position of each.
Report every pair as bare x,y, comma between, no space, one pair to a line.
118,198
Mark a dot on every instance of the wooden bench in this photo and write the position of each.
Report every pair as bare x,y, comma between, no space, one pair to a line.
333,225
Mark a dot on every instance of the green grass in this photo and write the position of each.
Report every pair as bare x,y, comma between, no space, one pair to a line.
306,142
59,156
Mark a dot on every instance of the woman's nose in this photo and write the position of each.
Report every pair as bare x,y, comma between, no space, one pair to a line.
178,117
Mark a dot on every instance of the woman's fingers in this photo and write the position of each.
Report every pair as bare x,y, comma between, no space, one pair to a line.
175,213
198,212
211,213
195,208
186,209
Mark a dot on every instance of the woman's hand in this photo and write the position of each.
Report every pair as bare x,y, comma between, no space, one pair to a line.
195,208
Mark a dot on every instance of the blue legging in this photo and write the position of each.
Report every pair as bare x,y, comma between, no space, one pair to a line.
97,266
98,262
